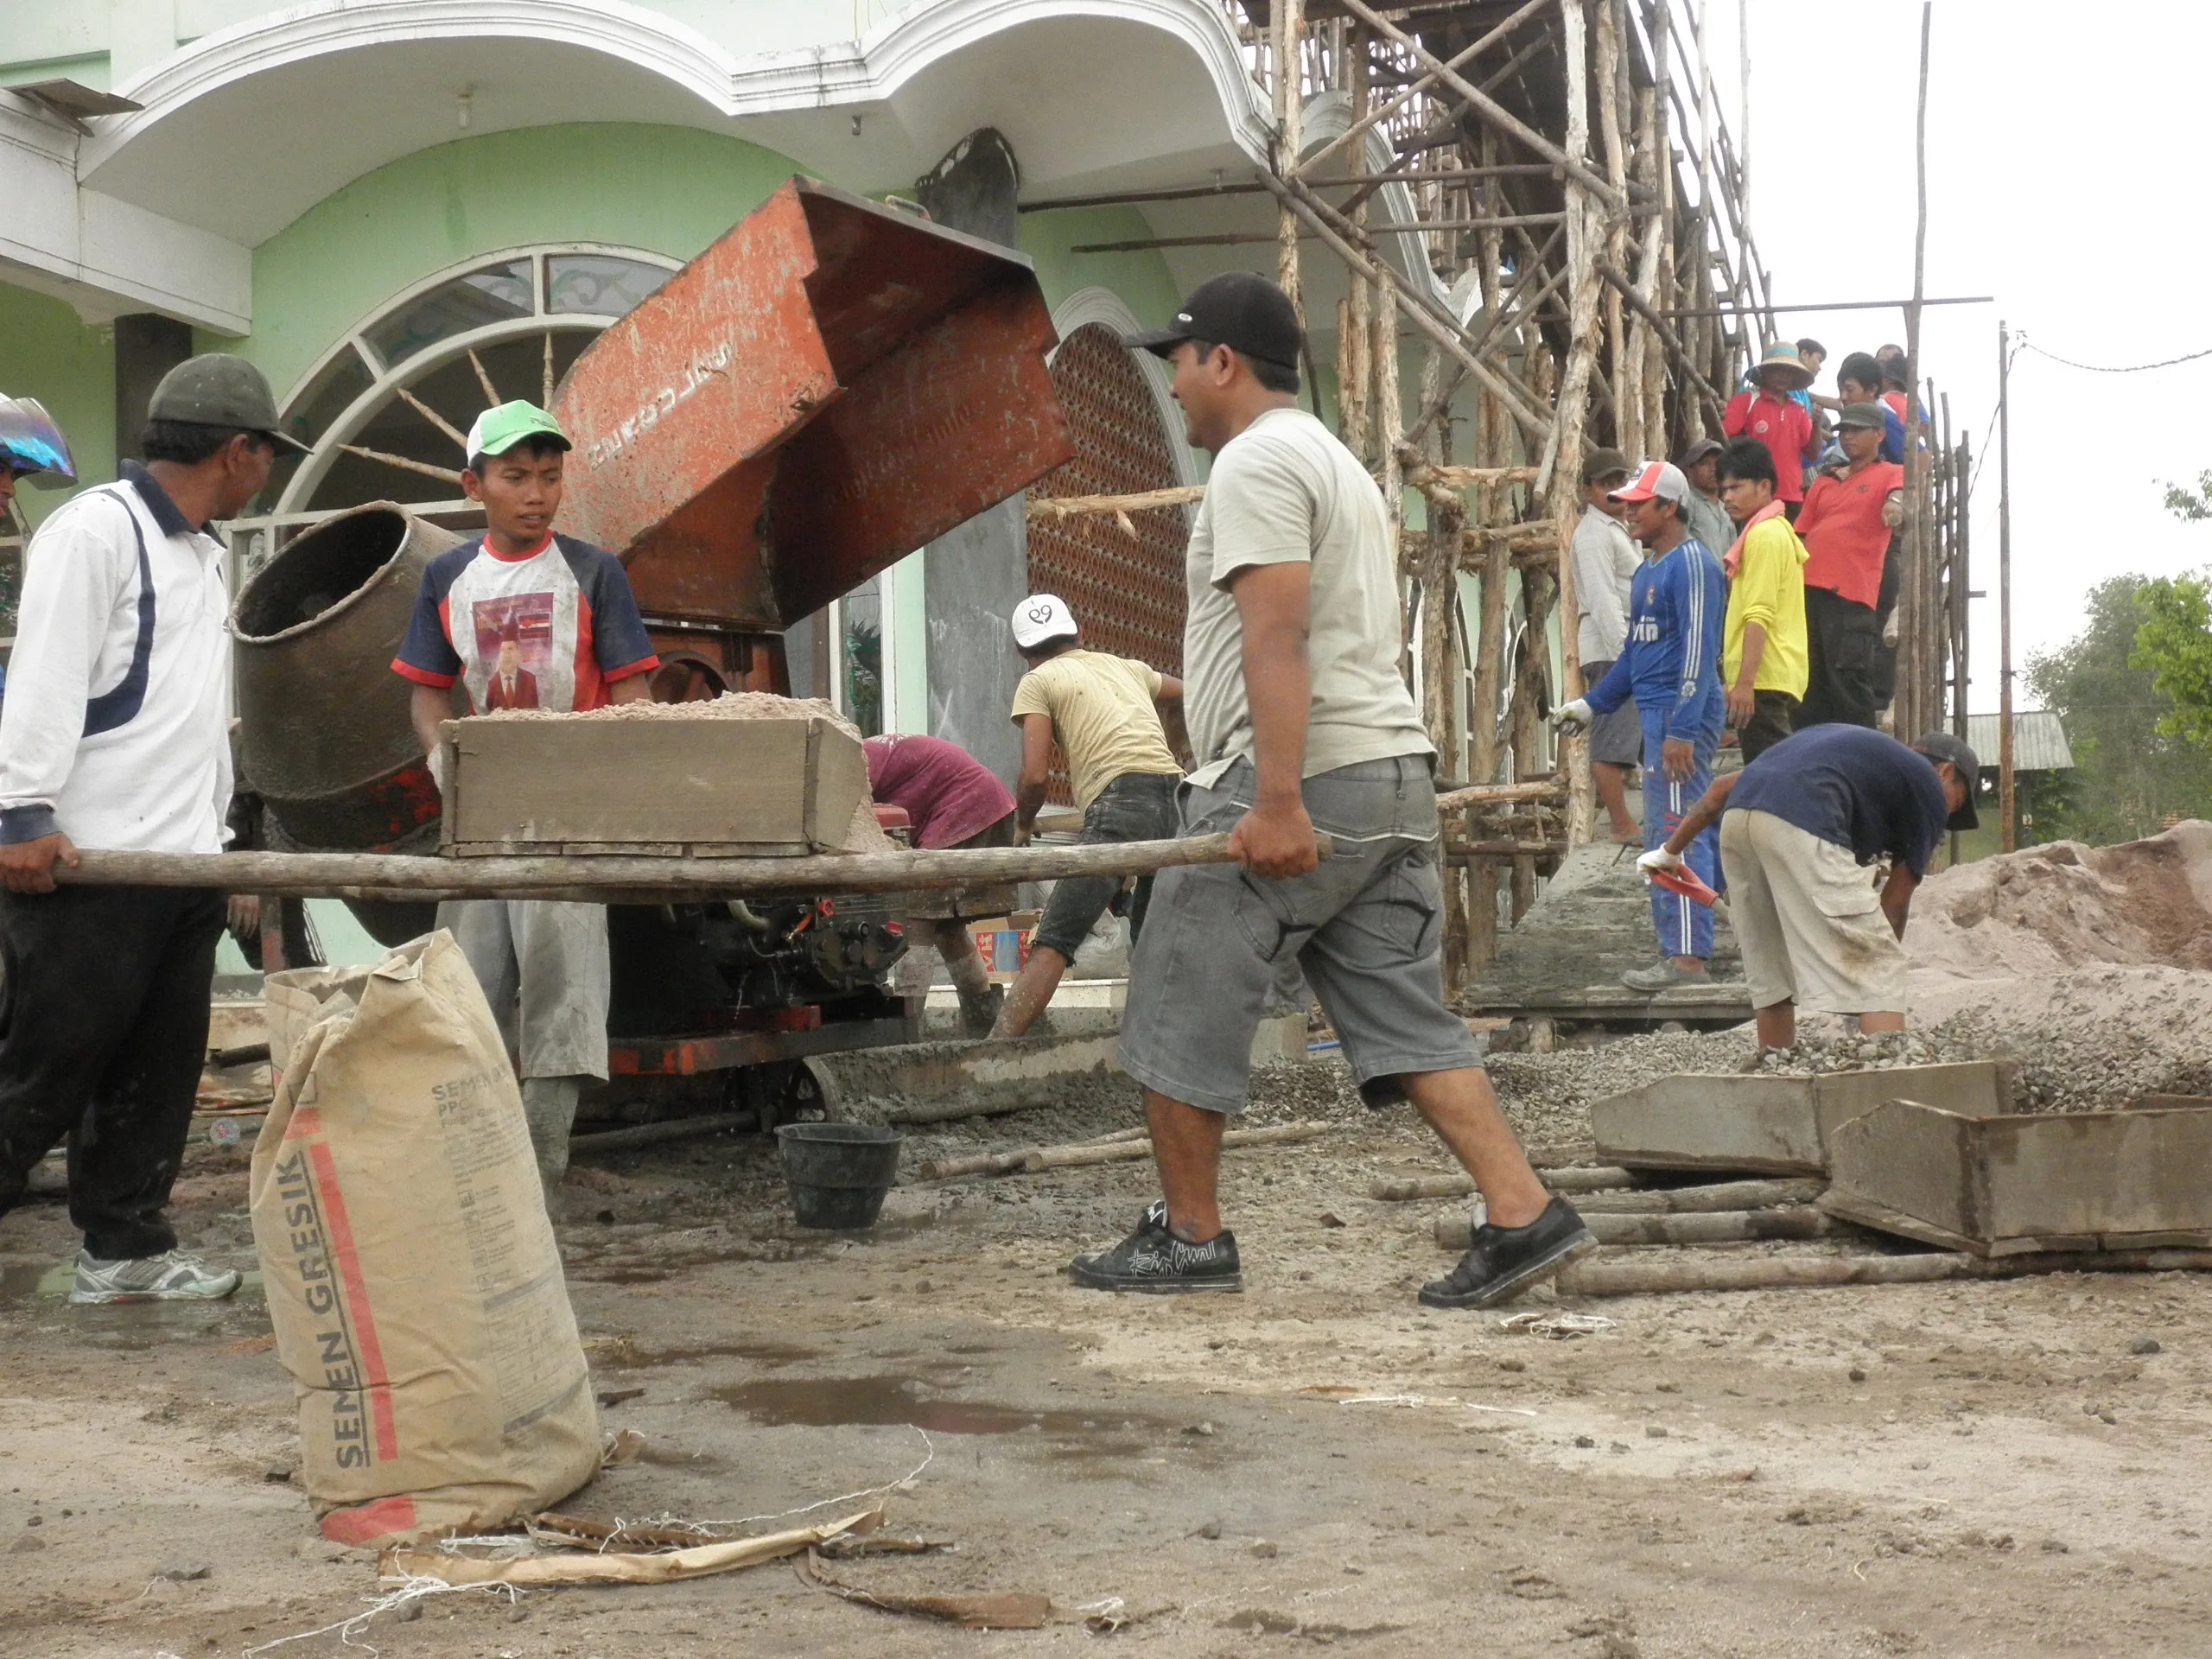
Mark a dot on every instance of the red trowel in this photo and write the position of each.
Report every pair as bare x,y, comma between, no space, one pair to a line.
1686,881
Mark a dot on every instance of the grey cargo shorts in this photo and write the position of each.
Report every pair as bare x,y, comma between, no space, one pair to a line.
1366,927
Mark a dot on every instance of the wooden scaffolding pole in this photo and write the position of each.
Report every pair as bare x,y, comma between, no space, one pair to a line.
1290,123
1584,229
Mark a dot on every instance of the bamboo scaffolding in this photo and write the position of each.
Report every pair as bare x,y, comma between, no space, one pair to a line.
1606,326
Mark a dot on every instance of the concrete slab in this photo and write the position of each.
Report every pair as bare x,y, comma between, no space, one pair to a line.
1591,923
1771,1124
2009,1186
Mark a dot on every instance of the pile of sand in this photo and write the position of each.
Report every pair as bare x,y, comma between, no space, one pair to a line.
2061,907
2092,966
731,705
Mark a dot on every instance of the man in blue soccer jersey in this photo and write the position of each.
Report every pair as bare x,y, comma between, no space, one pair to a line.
1671,666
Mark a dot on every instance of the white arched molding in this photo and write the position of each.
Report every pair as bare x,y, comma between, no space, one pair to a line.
1105,306
867,70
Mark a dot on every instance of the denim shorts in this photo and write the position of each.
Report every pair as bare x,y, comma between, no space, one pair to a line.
1366,928
1136,807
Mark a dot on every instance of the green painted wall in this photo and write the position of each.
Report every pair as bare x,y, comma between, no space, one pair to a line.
90,70
46,353
668,189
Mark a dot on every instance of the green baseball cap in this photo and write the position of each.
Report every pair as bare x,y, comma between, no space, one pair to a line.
499,429
216,389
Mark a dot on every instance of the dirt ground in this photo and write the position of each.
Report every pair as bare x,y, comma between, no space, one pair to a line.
2004,1469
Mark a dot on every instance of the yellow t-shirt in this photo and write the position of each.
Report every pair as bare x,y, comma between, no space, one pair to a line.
1101,712
1769,588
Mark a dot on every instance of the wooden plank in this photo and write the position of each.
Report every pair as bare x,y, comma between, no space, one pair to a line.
2014,1184
747,786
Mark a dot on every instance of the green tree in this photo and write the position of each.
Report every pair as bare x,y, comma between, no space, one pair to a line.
2190,505
2129,773
2175,643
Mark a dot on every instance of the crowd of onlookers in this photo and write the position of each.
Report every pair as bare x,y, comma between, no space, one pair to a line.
1738,594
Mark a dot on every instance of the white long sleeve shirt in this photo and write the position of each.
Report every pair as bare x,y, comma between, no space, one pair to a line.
1605,561
115,728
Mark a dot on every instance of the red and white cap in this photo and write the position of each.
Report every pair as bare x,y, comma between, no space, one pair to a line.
1656,480
1041,617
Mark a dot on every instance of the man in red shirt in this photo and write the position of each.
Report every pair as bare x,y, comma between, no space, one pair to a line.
1778,421
951,799
1846,526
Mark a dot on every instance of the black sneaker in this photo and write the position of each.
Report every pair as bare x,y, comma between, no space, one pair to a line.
1503,1261
1153,1259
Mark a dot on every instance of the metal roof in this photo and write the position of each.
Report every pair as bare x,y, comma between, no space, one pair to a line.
2038,740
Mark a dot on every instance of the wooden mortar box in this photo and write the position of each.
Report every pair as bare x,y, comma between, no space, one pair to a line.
2125,1181
1770,1124
705,786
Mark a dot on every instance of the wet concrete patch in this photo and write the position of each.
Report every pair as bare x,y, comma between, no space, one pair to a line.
843,1402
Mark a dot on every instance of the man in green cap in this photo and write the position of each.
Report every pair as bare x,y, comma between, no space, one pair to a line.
116,735
526,618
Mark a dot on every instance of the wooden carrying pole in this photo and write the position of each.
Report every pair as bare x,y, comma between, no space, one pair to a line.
2005,830
628,879
1604,1277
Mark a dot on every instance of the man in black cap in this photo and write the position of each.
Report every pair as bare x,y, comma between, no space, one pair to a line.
1707,520
1299,720
116,734
1801,824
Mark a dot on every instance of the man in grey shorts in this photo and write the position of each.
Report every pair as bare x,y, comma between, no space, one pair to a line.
1299,723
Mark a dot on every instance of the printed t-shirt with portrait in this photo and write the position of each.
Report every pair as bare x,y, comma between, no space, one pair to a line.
549,629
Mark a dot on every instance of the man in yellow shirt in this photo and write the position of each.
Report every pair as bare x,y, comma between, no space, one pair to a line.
1102,710
1764,659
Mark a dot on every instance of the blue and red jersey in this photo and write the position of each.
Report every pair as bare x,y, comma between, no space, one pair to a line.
1671,663
552,628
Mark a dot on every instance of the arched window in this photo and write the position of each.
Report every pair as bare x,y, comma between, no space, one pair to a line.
387,407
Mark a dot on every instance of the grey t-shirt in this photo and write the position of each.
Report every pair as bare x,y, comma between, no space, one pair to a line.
1284,490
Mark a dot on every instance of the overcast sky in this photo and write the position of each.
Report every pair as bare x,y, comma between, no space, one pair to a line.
2063,179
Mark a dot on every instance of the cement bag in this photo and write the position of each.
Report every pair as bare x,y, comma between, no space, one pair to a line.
412,1277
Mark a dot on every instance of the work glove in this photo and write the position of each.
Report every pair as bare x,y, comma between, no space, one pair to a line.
1658,858
1574,716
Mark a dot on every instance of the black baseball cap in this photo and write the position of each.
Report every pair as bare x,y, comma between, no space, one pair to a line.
218,389
1240,309
1941,745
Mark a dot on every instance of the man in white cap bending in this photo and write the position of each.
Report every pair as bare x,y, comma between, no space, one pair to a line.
1103,712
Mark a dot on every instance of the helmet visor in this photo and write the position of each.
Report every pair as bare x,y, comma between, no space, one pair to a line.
31,445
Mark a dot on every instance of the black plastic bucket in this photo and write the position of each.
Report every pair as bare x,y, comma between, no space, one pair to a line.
838,1172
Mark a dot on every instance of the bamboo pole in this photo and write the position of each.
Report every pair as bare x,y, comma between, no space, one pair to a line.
1290,123
1072,506
1605,72
1490,111
1722,1227
2005,824
1362,121
1443,333
1358,347
1913,714
1583,229
1389,411
314,874
1124,1152
1541,788
1413,1189
1604,1278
